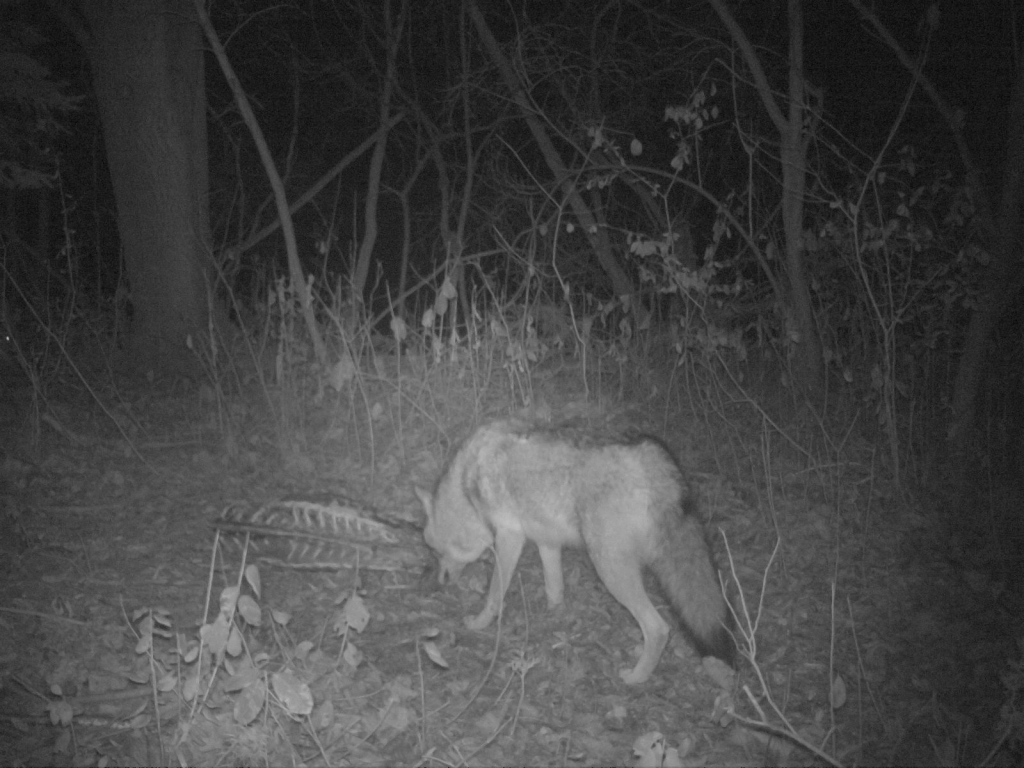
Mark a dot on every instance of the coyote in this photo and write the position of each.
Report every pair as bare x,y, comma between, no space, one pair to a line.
624,500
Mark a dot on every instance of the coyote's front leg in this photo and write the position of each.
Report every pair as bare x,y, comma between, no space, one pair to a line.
508,546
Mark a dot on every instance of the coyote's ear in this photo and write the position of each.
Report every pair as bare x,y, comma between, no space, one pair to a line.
426,500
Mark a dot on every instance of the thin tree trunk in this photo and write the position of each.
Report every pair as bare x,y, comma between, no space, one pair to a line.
1003,282
622,284
808,363
808,360
280,198
362,267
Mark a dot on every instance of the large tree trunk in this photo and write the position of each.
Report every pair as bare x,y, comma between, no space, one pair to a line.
147,65
1002,285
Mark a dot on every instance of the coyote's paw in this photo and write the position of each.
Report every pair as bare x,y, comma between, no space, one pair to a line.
476,623
641,673
633,677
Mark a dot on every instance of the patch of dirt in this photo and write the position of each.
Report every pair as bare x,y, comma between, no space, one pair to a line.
128,639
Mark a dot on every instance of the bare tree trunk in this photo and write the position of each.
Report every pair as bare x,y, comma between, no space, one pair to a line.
808,366
1003,284
808,360
147,66
622,284
1005,278
362,267
280,198
264,232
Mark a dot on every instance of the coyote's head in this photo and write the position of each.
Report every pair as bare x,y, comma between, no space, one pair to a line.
454,531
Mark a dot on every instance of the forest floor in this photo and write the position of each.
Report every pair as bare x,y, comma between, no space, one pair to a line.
873,645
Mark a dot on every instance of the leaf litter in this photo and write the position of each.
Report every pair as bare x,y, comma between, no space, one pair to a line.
131,636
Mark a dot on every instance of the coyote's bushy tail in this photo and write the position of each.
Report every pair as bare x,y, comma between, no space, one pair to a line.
684,568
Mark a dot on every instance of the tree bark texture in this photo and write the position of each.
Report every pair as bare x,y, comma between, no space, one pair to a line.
807,363
147,65
1002,286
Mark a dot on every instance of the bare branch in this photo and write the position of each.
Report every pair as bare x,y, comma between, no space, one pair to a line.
954,117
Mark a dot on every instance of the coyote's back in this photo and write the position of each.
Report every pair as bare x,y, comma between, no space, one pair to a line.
625,500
